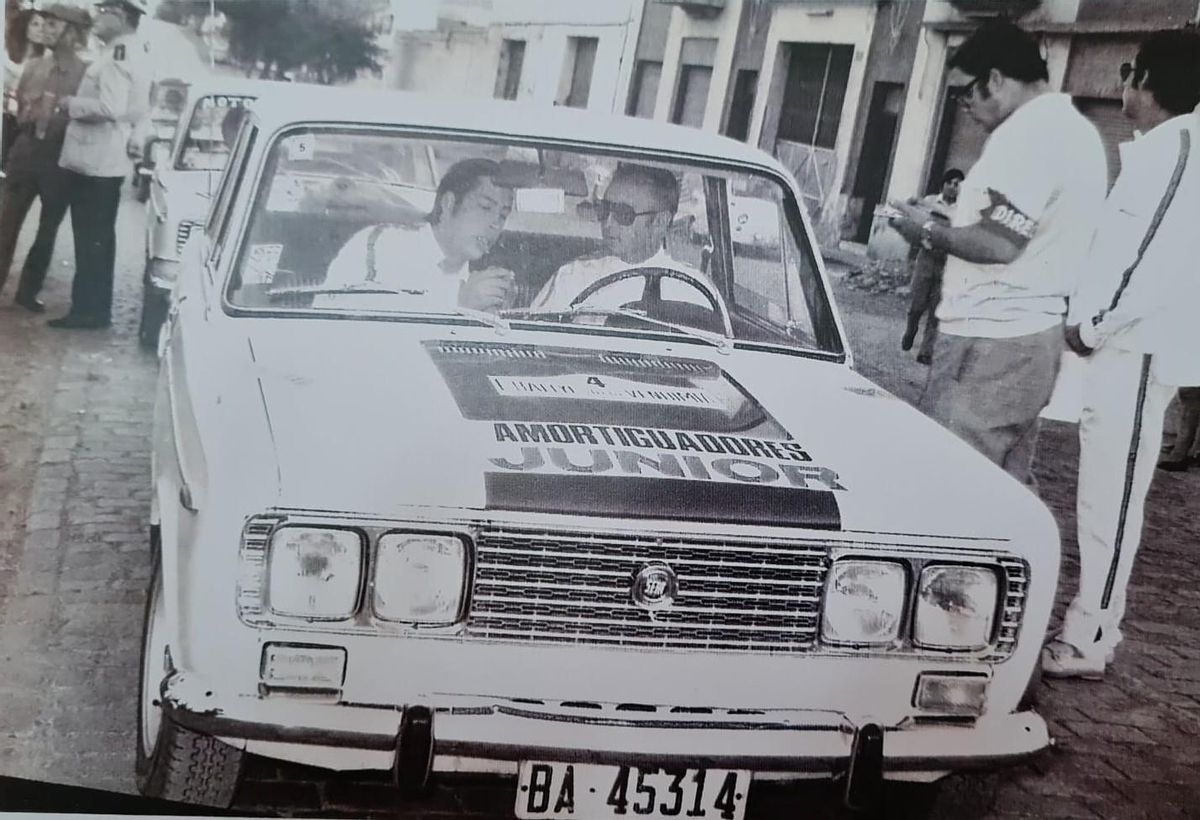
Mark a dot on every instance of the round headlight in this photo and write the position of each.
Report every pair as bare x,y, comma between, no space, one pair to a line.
420,578
956,607
864,602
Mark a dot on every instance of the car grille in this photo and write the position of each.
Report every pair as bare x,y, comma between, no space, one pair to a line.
182,233
1016,583
576,588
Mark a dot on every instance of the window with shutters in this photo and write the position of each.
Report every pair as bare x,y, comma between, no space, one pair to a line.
645,88
508,75
581,61
814,92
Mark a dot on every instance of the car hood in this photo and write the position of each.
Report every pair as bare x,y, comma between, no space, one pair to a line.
375,417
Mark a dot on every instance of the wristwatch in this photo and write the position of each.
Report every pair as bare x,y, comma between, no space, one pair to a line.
927,234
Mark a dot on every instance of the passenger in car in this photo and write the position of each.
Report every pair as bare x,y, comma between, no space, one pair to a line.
429,259
635,215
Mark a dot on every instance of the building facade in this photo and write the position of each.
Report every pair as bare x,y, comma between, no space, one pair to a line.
820,84
570,53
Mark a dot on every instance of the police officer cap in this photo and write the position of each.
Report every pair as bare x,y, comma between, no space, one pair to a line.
68,14
138,6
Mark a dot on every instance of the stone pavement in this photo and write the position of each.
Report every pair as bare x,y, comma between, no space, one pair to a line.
74,563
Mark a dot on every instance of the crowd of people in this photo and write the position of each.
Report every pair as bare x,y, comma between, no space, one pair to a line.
1038,258
66,143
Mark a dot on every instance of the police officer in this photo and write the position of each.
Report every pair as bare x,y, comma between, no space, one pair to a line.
114,94
32,165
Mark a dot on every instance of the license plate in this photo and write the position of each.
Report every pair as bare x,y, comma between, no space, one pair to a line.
559,791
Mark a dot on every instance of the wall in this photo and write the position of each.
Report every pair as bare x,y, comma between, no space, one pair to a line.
460,60
890,57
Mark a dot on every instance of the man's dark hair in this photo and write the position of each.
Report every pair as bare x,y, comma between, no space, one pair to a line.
1172,60
461,179
1002,45
664,182
952,175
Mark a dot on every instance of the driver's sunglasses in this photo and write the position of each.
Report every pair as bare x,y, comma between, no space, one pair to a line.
1128,69
966,93
622,212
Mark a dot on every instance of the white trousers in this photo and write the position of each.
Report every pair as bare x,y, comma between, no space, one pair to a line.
1120,433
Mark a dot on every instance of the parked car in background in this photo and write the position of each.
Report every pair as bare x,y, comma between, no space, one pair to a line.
638,556
156,132
183,173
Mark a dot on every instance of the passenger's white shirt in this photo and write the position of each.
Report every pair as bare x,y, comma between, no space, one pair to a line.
572,278
1048,161
400,258
1157,305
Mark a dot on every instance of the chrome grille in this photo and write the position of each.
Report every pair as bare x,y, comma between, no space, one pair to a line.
575,588
1016,582
182,233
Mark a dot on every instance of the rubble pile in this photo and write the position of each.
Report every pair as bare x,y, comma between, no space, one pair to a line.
881,276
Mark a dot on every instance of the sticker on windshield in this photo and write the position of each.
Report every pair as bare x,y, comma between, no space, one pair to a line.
286,194
261,264
605,388
298,147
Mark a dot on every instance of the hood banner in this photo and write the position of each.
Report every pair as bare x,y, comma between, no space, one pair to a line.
634,436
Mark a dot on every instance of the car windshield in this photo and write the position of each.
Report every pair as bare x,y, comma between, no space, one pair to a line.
374,222
211,131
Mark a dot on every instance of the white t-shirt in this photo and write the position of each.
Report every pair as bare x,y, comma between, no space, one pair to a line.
395,257
572,278
1042,174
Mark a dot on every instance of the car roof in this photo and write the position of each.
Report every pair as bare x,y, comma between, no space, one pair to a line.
239,86
290,103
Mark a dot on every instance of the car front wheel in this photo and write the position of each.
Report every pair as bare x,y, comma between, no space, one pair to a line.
154,313
174,763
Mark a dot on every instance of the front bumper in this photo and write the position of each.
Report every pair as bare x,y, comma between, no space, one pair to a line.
498,729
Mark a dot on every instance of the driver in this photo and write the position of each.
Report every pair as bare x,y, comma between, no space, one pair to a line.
429,258
635,216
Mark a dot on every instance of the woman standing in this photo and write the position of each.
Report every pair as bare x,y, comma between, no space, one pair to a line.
24,40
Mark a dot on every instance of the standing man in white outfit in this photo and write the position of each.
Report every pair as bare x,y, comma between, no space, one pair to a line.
635,216
1133,318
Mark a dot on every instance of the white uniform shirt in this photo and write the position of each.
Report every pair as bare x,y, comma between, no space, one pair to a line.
572,278
113,95
398,258
1156,298
1047,162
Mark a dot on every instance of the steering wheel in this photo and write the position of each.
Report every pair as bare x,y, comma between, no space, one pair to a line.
652,301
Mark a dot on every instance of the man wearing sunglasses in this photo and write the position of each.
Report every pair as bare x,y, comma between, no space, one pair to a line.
112,97
1024,217
635,215
1133,319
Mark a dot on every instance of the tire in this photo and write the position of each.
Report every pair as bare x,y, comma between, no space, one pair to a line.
177,764
154,313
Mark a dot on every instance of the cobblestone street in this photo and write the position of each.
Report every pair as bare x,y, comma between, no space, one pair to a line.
75,417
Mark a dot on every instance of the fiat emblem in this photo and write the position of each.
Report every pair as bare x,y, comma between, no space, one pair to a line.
654,587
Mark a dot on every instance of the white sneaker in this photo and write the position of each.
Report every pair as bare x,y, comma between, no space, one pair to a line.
1062,660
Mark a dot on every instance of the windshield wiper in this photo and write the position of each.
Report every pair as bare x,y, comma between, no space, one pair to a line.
481,316
323,290
723,343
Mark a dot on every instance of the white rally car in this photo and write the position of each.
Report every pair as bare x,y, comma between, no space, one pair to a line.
636,554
